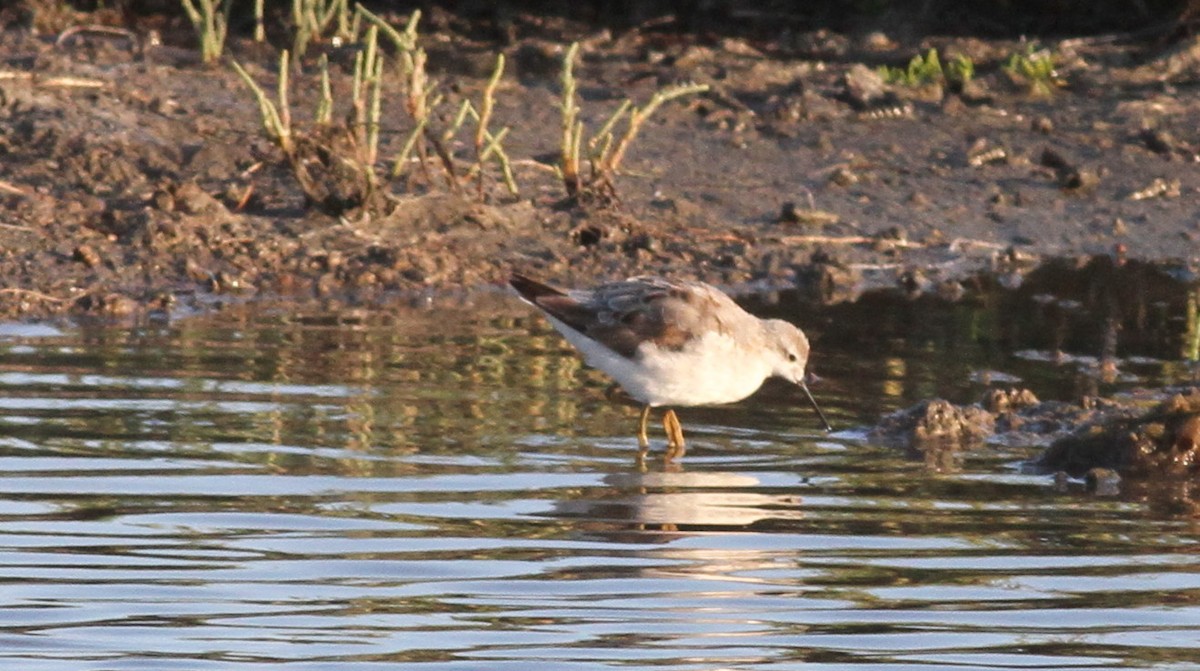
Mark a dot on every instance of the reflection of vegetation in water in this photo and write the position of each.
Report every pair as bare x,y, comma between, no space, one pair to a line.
1066,331
1191,341
362,480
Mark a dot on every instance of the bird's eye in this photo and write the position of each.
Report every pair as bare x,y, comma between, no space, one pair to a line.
792,357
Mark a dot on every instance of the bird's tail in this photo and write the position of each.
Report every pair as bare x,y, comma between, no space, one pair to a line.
531,290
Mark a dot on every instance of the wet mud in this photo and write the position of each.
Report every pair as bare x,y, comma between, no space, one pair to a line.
1103,323
135,179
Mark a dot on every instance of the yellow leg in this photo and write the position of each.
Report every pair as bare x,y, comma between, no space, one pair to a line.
675,444
643,439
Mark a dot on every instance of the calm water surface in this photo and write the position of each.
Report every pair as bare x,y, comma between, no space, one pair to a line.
243,491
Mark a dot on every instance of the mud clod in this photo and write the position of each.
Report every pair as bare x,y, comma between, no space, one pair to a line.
1161,443
1102,481
1070,175
997,401
936,421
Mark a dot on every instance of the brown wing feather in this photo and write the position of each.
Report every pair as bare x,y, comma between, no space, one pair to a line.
623,315
554,301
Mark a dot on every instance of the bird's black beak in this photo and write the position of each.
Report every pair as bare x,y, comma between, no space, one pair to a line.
813,402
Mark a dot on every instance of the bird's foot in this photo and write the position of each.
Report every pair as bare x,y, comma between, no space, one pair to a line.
675,443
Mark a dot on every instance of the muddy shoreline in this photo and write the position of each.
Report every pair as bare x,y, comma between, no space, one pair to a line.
134,179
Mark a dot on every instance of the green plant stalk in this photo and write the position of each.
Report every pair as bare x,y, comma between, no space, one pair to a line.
1036,67
355,24
418,86
496,147
488,104
410,28
273,123
210,24
368,103
285,107
576,144
920,70
413,143
403,41
597,152
401,160
324,115
312,19
411,62
375,115
334,12
925,70
260,31
464,110
960,69
572,129
611,161
601,143
303,32
606,129
364,67
298,14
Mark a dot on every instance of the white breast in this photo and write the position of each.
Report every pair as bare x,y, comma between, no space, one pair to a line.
710,370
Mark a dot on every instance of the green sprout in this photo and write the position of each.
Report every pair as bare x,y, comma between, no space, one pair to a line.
299,148
420,102
921,70
1035,68
324,113
960,70
324,155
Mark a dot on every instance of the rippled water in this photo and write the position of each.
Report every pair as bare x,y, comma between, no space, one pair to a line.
442,490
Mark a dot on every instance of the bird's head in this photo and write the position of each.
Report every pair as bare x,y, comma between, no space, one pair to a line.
790,346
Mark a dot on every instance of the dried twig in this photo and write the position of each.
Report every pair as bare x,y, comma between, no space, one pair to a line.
34,294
